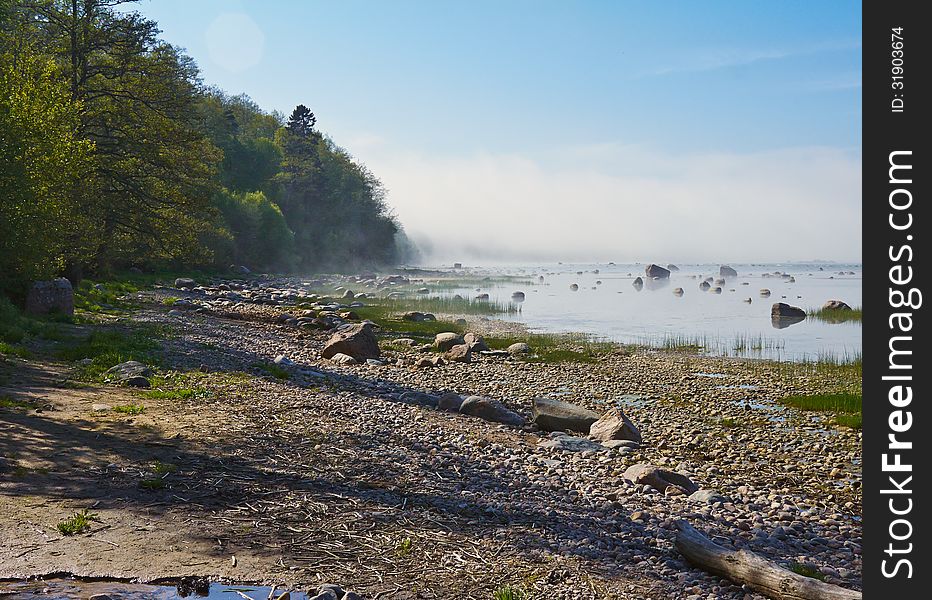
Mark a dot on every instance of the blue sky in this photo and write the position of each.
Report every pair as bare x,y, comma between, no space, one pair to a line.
640,93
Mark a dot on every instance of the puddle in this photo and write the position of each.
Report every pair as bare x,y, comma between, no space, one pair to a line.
76,588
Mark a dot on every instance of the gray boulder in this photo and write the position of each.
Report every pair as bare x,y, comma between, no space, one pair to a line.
185,283
46,297
475,342
450,402
727,272
638,283
660,479
657,271
459,353
445,341
344,359
783,310
614,425
835,305
556,415
490,410
519,348
706,496
356,340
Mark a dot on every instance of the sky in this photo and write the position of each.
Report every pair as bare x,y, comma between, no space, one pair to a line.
577,131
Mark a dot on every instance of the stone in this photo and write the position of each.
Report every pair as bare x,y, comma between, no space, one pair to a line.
348,295
519,348
638,283
417,316
475,342
421,398
678,291
185,283
726,272
100,407
52,296
706,496
783,311
705,286
424,363
764,292
445,341
356,340
490,410
283,360
630,444
331,587
556,415
835,305
136,381
568,443
459,353
614,425
672,268
130,368
450,402
660,479
657,271
351,596
344,359
240,269
518,296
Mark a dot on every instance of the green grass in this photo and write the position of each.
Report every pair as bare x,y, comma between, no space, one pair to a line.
162,469
403,548
729,422
507,592
836,316
111,298
14,404
556,347
806,571
109,347
170,301
80,522
152,484
13,350
129,409
846,407
273,370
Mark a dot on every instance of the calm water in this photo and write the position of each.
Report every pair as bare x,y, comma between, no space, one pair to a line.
724,323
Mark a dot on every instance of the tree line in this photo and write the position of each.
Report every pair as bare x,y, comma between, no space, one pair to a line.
114,154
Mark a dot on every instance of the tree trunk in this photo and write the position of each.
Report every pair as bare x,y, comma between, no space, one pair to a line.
747,568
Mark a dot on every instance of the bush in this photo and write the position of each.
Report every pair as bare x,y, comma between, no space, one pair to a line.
260,236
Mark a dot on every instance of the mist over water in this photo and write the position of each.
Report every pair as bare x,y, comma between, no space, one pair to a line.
723,323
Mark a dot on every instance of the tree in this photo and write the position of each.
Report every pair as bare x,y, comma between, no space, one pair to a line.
302,121
41,161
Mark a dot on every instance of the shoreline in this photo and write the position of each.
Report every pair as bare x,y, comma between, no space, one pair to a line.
495,489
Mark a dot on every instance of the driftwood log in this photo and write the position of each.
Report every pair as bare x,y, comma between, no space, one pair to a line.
747,568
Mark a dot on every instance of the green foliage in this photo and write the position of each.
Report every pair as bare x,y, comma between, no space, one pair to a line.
258,228
103,297
107,348
274,370
13,403
80,522
845,406
507,592
807,571
129,409
837,315
41,161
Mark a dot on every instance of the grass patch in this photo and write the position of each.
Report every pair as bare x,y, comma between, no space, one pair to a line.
836,316
13,350
161,469
846,407
110,347
729,422
129,409
403,548
807,571
170,301
14,404
155,483
274,370
80,522
507,592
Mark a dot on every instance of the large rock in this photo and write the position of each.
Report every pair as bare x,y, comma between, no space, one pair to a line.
490,410
445,341
519,348
459,353
638,283
660,479
475,342
131,373
356,340
450,402
46,297
657,271
417,316
614,425
185,283
556,415
727,272
783,310
835,305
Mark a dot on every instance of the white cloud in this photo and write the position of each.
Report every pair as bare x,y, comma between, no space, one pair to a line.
615,202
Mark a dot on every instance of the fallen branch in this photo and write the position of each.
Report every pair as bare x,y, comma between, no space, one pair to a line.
747,568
